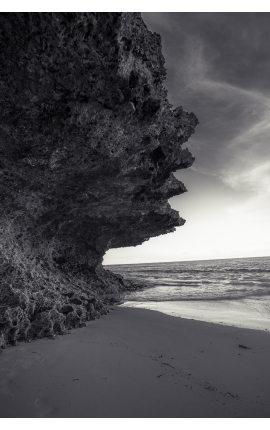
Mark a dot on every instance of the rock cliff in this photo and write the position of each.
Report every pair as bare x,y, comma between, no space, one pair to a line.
88,144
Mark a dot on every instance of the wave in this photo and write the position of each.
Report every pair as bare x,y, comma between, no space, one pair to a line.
204,280
154,298
206,284
190,272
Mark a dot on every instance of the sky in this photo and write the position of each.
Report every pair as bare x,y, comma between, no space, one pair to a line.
217,67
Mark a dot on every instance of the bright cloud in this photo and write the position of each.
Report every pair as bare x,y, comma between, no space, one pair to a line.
218,67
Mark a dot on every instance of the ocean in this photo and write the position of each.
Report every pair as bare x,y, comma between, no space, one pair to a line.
233,292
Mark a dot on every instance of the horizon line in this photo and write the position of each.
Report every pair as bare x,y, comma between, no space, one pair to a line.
183,261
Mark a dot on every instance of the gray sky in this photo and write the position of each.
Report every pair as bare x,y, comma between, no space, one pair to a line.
218,67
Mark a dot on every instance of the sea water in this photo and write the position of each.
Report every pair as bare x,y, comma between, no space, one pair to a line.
232,292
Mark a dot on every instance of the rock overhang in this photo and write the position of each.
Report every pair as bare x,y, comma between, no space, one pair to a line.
88,139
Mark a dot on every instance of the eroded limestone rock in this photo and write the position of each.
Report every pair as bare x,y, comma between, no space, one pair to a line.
88,144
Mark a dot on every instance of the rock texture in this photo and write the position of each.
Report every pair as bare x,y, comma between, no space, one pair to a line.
88,144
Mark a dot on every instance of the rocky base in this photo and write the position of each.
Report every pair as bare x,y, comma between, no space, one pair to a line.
55,303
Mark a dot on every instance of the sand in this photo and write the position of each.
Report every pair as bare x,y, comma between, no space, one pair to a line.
139,363
245,313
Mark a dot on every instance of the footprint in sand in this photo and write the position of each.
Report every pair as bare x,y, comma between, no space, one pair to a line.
8,387
46,410
12,368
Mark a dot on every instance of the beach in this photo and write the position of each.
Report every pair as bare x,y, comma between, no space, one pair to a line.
138,363
234,292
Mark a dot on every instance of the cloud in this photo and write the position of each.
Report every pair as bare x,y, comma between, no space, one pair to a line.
233,141
256,178
218,67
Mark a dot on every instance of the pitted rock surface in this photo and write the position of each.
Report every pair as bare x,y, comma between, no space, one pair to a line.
89,143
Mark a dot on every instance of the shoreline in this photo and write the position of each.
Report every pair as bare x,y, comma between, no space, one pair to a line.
137,363
232,313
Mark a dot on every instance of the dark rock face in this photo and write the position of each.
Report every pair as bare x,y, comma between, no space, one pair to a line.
88,144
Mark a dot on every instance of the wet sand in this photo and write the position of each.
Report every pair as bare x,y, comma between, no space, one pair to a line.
139,363
234,313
